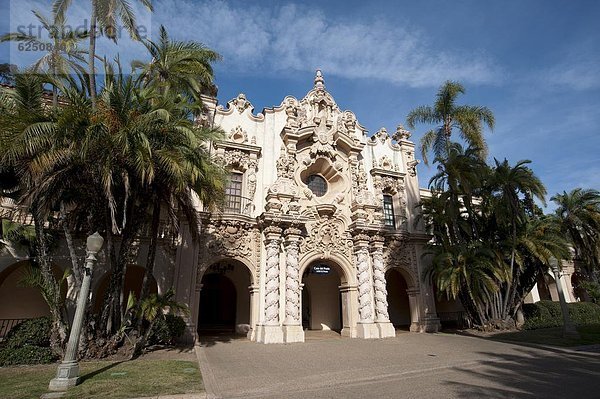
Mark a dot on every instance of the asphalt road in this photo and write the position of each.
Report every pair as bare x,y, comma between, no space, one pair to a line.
408,366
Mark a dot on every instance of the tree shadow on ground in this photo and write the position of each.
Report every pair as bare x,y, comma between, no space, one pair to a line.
94,373
530,374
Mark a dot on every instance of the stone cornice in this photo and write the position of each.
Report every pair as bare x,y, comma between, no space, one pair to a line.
238,146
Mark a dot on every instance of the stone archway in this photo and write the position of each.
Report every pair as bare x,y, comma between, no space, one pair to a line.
18,301
326,297
398,301
321,298
402,297
547,288
225,299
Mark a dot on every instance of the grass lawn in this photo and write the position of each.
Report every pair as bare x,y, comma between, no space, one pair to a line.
127,379
553,336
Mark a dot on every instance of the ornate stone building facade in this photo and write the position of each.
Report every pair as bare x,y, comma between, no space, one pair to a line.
317,215
318,232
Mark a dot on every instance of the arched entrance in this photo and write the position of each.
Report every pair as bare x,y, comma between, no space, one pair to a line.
225,298
399,306
18,301
321,297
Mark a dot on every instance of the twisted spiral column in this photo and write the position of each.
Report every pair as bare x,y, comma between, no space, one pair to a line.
292,280
379,283
272,244
361,253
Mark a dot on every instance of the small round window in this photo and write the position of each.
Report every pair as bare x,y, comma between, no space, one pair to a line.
317,185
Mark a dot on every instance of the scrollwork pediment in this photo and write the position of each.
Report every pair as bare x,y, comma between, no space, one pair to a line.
327,235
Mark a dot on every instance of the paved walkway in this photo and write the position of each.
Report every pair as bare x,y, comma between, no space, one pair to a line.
408,366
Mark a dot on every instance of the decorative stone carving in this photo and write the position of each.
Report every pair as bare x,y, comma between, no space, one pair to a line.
389,184
286,164
240,103
401,133
412,167
381,135
361,254
230,238
243,161
379,283
292,280
272,244
283,194
327,235
360,191
399,252
238,135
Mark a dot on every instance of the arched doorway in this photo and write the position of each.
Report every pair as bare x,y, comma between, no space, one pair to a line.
398,299
225,298
321,297
18,301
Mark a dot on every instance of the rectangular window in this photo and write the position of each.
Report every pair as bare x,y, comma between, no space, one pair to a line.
388,211
233,193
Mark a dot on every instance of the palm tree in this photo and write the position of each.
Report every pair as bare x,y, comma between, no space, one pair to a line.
104,18
467,119
63,56
184,67
578,212
23,126
151,309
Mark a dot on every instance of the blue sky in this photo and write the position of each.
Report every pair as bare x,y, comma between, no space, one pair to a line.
536,64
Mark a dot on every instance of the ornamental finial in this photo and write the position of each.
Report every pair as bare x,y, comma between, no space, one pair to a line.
319,79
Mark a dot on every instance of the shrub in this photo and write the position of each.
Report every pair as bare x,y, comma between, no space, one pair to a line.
545,314
27,354
166,330
32,332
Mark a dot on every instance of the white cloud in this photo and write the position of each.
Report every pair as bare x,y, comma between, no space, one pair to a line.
578,75
259,40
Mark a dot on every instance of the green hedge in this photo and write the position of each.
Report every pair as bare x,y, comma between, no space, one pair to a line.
28,343
167,330
33,332
27,354
546,314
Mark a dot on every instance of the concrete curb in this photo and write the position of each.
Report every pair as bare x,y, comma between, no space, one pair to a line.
211,387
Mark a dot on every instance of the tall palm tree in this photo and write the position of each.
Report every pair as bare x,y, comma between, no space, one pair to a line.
469,120
104,19
176,65
578,212
63,54
23,124
512,189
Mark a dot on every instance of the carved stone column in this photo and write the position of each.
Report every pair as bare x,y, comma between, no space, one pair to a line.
382,318
271,331
365,328
415,311
292,328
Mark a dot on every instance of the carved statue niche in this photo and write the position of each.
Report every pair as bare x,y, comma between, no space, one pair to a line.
282,196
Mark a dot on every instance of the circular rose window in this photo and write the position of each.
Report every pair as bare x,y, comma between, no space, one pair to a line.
317,184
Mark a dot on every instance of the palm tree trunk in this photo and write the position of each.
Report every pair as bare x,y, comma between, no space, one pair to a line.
92,53
151,254
52,296
76,276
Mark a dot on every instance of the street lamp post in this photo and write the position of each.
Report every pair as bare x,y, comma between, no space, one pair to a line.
67,374
569,330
